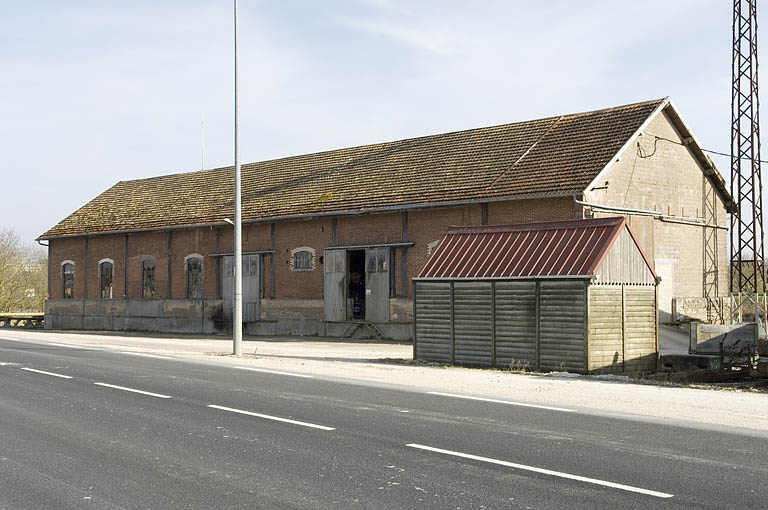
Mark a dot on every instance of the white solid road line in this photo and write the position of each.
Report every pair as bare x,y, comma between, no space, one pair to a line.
264,370
549,472
274,418
46,373
144,355
508,402
132,390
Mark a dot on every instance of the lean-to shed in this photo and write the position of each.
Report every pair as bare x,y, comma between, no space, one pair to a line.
578,296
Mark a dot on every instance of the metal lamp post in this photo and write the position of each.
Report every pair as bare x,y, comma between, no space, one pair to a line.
237,319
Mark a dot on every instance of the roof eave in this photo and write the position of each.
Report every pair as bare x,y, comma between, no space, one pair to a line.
601,175
708,167
497,278
323,214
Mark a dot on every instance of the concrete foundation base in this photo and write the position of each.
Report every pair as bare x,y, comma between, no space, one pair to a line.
200,316
191,316
358,330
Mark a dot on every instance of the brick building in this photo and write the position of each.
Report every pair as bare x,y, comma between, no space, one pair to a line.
331,240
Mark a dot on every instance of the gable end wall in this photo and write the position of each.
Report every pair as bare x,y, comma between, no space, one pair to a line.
664,177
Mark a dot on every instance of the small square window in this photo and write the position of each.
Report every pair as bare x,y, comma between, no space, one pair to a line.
303,259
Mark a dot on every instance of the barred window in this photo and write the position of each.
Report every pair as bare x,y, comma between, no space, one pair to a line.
194,277
68,279
106,274
148,279
303,259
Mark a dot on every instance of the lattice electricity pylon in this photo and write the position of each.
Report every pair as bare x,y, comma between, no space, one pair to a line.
747,251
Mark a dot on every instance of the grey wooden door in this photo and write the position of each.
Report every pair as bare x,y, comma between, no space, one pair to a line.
251,287
377,285
335,285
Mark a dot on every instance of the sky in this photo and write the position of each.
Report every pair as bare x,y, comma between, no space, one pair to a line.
96,92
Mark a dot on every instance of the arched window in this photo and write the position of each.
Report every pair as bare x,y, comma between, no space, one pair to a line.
148,278
303,259
106,275
68,279
194,268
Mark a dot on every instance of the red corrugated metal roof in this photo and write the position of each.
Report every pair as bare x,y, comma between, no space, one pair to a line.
552,249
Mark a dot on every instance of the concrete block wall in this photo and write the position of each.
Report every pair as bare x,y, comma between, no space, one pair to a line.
696,308
662,175
732,339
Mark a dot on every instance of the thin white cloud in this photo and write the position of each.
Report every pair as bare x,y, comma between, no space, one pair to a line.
433,40
388,5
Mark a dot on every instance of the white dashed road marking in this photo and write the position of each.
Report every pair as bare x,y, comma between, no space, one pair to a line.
264,370
132,390
507,402
549,472
144,355
273,418
46,373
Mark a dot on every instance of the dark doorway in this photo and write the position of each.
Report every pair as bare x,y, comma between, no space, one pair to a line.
357,283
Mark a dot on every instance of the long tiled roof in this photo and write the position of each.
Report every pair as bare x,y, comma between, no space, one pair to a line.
556,156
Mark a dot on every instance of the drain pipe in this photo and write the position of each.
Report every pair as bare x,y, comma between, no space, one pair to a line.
643,212
48,262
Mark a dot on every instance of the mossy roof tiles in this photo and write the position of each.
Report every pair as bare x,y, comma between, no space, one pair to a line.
545,157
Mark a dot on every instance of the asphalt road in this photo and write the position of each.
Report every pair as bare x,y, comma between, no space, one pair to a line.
84,428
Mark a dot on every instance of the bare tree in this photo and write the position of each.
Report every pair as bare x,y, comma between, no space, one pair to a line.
23,275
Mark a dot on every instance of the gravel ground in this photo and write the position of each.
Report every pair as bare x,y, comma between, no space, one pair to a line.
389,364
